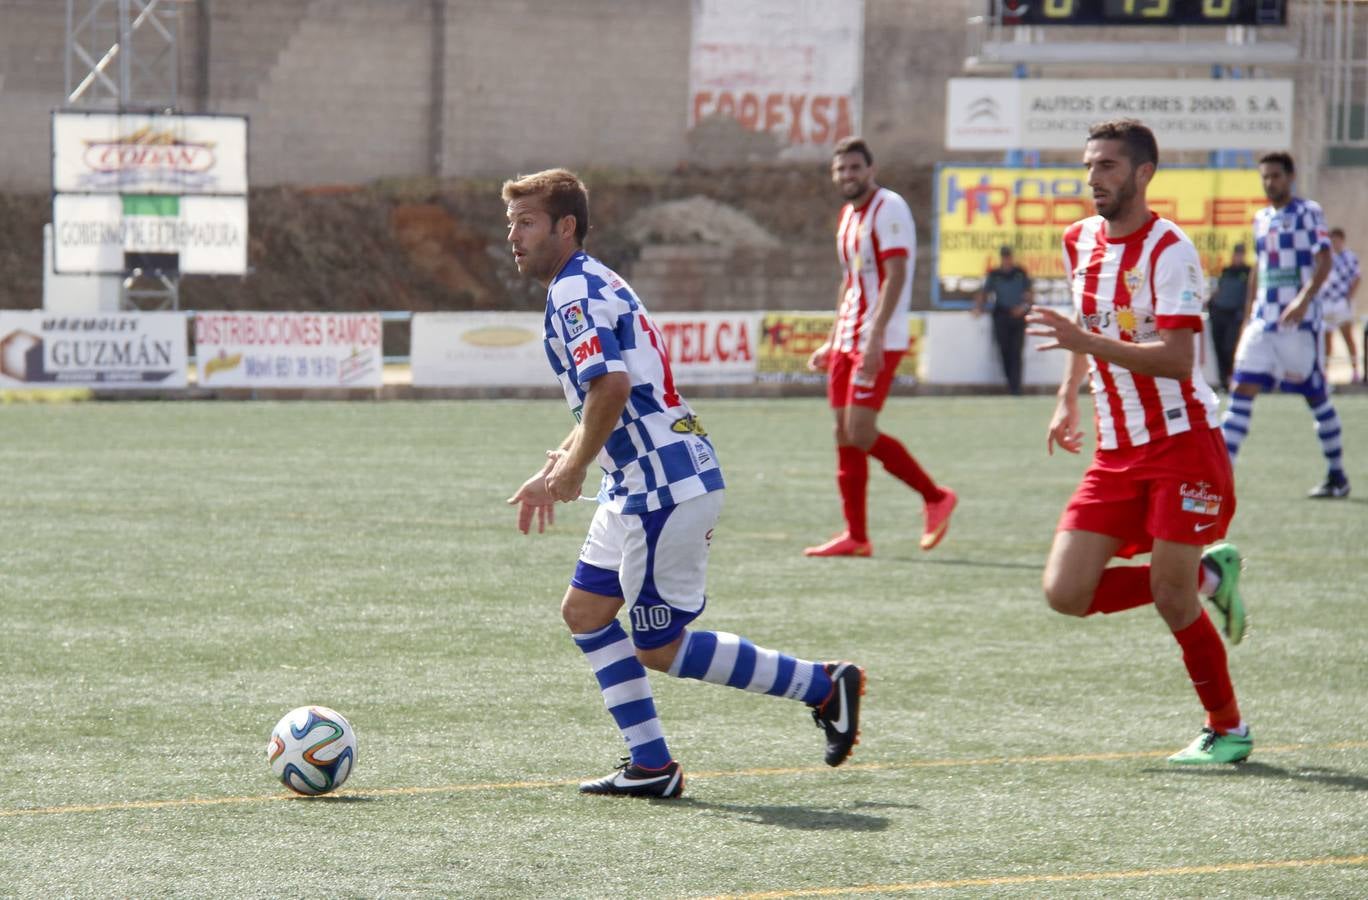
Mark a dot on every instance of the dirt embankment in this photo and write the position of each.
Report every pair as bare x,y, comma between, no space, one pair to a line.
427,245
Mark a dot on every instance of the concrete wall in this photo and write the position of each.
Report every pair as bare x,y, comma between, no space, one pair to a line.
353,90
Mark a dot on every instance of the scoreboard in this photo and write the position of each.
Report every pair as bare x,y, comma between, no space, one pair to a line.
1140,12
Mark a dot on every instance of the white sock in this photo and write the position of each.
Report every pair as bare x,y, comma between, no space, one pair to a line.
1210,580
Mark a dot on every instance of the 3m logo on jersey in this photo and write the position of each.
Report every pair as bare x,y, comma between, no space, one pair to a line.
576,322
587,349
1199,499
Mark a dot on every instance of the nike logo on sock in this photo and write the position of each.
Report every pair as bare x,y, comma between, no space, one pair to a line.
1202,527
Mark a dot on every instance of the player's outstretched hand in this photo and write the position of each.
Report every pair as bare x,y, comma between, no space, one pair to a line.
1061,330
534,500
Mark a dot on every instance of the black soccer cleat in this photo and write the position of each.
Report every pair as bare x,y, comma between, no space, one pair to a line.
629,780
839,714
1330,489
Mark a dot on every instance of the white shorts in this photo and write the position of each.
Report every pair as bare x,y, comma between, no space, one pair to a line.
657,562
1336,313
1272,356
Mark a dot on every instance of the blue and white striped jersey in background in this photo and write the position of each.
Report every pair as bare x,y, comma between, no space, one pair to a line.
658,455
1286,242
1344,268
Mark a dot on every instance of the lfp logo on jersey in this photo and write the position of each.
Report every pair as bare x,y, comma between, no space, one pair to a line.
575,321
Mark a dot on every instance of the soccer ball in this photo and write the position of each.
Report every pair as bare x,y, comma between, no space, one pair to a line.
312,750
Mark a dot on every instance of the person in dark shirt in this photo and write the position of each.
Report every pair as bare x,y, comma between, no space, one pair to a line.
1010,289
1227,311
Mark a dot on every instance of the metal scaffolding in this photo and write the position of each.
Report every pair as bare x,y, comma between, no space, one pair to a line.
124,55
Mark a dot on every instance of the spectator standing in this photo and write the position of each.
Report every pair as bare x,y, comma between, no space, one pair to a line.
1226,312
1009,288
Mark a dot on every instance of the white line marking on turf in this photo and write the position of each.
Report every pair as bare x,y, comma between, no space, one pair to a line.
1001,880
418,791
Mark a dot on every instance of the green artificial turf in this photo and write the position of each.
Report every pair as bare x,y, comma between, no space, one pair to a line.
176,576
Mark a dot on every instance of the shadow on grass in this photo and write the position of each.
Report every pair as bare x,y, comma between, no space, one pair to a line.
1333,778
800,818
337,798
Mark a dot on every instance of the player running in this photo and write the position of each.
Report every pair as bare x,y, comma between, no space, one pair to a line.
1281,344
877,245
1160,481
658,504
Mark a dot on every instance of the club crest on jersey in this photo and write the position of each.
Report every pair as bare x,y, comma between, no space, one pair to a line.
689,425
1133,278
1199,499
576,322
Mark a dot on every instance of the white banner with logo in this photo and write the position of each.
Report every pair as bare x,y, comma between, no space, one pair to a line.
137,153
103,350
92,232
1055,114
288,349
792,70
465,349
485,349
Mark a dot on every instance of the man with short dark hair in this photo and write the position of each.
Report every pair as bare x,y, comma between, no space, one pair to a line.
658,503
877,244
1010,289
1160,481
1225,312
1281,344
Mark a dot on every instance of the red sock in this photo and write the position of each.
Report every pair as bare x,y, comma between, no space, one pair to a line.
1121,588
903,466
1205,658
852,478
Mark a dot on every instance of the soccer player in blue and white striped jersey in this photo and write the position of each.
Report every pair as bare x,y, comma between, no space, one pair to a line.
658,503
1281,343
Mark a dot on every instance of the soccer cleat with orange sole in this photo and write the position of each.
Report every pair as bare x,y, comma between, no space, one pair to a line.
841,545
938,518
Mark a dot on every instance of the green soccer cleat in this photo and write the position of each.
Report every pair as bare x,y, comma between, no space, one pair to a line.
1226,559
1211,748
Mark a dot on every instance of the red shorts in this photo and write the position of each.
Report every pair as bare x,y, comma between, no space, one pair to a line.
843,390
1178,489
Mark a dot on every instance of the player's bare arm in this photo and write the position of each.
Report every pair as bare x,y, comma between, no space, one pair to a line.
1169,357
604,402
895,276
1296,311
1064,430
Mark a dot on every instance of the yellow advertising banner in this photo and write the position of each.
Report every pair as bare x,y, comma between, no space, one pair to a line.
980,209
787,339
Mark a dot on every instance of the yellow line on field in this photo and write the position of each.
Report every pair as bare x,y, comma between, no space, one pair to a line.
735,773
1003,880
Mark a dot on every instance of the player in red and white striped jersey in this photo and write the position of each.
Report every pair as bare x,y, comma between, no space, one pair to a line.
877,243
1160,481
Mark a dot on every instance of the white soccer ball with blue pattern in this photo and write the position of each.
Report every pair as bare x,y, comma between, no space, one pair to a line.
312,750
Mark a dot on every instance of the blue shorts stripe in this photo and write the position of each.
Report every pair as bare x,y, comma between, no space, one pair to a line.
596,580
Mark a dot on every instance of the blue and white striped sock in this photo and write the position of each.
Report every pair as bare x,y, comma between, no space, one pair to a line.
1328,430
1235,423
718,657
626,692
